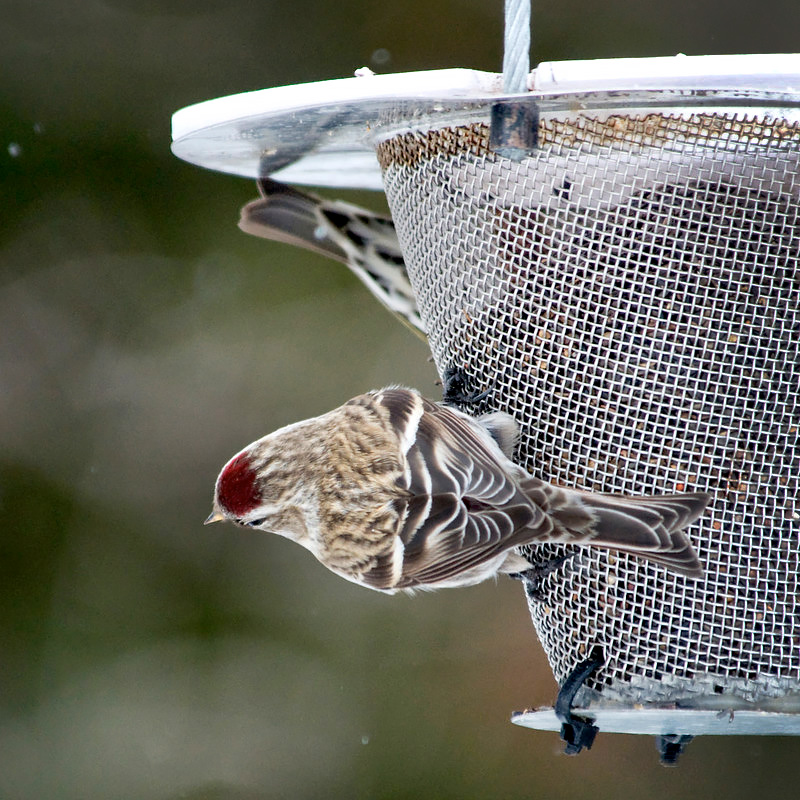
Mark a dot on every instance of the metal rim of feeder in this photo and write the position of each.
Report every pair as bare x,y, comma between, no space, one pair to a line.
697,111
325,133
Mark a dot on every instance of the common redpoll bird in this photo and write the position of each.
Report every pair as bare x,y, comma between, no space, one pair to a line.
365,241
393,491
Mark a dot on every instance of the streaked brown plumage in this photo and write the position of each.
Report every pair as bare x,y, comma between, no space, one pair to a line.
363,240
393,491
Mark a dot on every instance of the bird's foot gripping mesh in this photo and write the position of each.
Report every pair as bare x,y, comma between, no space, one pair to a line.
630,294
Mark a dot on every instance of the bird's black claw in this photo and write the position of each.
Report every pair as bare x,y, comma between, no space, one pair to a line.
578,733
533,578
456,389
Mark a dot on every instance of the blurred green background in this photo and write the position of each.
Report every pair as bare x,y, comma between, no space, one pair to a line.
144,339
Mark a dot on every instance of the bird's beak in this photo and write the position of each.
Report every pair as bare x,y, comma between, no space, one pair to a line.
214,516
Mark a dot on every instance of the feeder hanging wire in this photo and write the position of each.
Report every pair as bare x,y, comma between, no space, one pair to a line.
516,46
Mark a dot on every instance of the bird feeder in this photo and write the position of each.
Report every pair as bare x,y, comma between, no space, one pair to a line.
614,251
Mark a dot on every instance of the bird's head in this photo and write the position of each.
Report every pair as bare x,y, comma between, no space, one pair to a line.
237,495
252,491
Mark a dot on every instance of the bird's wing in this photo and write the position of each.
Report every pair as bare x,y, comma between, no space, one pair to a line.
363,240
455,539
442,540
461,456
465,507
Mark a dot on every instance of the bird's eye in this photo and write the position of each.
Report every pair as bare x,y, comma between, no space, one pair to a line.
255,523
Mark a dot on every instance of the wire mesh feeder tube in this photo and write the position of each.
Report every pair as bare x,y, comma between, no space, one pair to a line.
629,293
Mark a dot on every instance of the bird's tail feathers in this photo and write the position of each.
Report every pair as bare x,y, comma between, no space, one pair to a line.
648,527
285,214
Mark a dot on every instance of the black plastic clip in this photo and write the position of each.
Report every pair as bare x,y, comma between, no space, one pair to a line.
670,746
577,732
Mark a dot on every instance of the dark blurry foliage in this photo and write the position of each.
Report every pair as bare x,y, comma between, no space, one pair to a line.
35,517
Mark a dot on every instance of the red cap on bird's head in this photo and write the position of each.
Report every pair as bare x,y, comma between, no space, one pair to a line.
237,487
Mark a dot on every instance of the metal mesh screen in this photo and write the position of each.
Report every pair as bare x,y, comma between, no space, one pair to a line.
630,294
